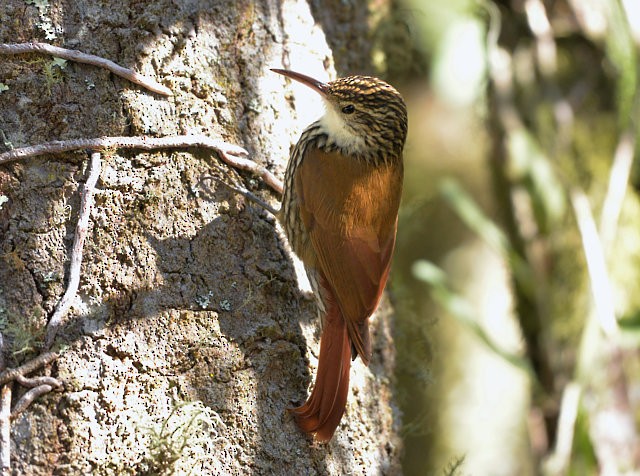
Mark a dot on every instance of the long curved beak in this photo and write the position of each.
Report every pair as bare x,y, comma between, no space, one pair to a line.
314,84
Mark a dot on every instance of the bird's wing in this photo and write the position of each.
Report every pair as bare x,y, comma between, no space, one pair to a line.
350,209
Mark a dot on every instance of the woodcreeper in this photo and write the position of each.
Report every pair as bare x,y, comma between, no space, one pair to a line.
340,211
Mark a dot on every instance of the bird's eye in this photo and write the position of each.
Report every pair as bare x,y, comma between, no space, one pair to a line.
348,109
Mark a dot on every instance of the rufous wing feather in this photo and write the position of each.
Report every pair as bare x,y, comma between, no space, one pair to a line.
352,233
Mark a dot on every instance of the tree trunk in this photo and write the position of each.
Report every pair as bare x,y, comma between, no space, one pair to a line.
190,337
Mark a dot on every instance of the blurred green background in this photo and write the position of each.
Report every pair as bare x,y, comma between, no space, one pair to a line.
517,267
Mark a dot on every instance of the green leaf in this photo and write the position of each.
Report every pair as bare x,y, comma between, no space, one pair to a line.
429,273
461,309
621,51
531,167
630,327
471,214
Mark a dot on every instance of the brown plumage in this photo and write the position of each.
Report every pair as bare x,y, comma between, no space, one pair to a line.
339,211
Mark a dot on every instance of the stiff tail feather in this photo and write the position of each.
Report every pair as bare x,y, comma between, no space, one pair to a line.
322,412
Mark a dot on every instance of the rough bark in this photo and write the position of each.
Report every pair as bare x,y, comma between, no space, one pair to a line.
190,336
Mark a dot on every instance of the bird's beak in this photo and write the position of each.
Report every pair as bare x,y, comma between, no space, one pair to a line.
314,84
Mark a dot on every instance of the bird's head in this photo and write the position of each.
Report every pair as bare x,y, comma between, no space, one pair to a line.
364,115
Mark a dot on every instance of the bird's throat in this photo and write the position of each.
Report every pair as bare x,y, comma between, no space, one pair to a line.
340,134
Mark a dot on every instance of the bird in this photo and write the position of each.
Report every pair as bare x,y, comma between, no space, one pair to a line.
342,191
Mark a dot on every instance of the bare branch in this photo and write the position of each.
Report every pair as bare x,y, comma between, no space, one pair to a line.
245,193
5,423
80,57
41,386
545,42
3,364
5,429
558,462
25,369
596,263
76,252
618,182
37,381
28,398
229,153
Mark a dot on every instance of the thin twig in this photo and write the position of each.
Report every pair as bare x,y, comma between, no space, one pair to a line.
558,461
596,263
545,42
245,193
5,429
31,366
3,364
37,381
618,184
76,252
229,153
80,57
5,423
28,398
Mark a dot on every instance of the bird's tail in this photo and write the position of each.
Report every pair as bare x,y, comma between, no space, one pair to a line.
322,412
